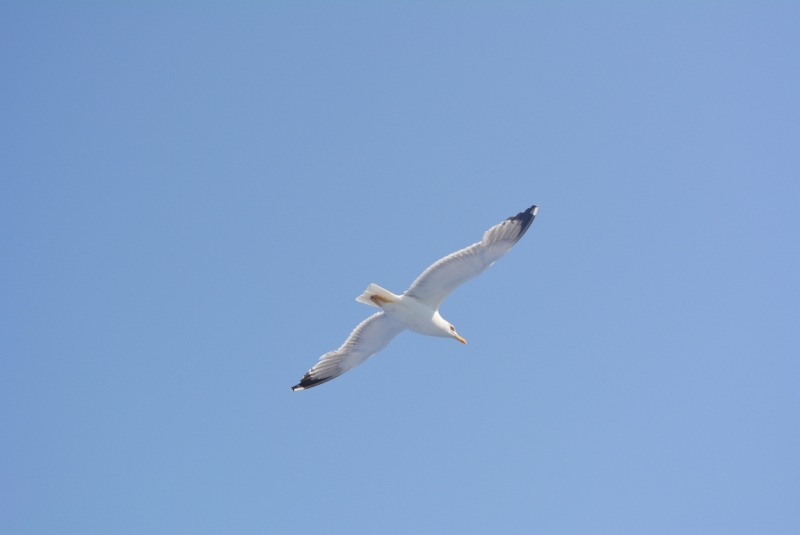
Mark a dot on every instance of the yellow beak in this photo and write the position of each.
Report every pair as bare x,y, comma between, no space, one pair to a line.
460,339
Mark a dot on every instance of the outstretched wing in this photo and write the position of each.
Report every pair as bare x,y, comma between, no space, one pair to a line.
436,282
371,335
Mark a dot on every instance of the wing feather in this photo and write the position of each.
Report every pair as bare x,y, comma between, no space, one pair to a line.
369,337
444,276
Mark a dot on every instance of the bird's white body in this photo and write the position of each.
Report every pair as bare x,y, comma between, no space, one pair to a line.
416,316
418,308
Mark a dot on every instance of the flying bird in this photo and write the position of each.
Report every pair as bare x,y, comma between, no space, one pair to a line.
418,308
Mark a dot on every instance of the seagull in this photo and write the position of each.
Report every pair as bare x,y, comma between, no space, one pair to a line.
418,308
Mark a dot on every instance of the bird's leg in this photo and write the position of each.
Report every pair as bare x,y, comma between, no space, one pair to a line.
377,299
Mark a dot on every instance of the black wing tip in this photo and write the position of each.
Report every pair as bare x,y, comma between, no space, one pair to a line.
307,382
526,215
525,219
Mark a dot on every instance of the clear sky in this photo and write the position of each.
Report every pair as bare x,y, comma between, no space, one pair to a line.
192,196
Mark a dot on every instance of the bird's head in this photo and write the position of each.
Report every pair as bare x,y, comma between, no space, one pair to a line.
455,335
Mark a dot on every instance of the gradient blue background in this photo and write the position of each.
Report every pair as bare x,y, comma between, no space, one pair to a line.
192,196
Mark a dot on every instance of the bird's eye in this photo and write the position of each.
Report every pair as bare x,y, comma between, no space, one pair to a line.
452,328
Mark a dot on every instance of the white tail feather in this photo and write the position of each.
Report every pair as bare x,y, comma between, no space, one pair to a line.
375,290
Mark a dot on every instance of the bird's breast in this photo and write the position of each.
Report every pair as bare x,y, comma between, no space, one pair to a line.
413,314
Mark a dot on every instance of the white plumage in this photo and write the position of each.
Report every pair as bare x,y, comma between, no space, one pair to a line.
418,308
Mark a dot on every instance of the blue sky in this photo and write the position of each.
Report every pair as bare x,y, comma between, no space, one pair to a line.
191,197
